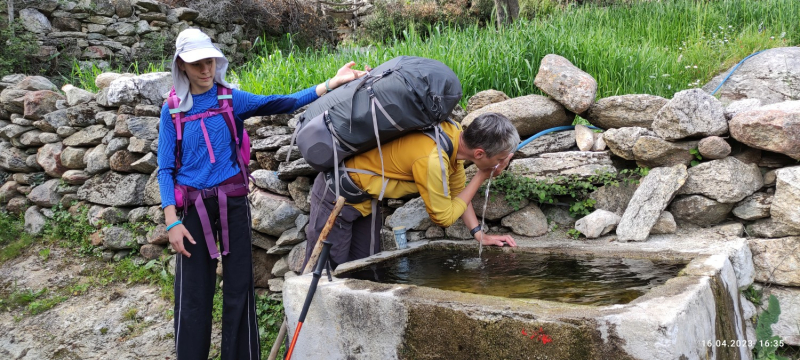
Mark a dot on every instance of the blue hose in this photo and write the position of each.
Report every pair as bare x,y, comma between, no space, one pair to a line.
732,70
543,132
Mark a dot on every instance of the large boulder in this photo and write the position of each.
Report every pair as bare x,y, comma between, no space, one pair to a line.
727,180
497,206
34,221
83,115
566,83
653,151
776,260
548,143
96,160
268,180
690,113
771,76
596,224
771,228
545,167
76,95
34,21
529,221
35,83
621,141
485,97
700,210
115,189
412,215
713,148
272,214
665,224
655,192
529,114
13,159
769,129
789,300
637,110
755,206
39,103
147,88
52,121
614,198
92,135
120,238
49,158
786,202
45,195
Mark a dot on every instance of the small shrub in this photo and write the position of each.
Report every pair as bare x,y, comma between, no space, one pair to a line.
395,20
766,343
574,233
573,189
72,230
19,50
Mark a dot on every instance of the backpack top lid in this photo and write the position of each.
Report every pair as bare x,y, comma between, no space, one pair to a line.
434,84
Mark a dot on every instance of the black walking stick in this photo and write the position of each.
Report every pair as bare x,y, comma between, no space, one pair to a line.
312,261
321,264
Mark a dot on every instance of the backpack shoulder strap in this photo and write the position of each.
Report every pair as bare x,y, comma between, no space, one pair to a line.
173,102
225,104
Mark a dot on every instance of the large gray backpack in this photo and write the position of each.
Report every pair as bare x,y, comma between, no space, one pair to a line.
402,95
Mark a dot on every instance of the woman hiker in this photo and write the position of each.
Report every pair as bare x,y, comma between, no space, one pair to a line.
200,158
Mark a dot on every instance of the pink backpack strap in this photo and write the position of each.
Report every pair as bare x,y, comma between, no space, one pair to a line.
242,146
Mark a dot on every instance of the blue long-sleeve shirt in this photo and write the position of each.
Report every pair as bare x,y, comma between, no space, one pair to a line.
196,168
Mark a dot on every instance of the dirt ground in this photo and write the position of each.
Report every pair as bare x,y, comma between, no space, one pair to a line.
115,321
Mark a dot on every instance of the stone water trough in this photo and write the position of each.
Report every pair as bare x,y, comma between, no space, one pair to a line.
698,314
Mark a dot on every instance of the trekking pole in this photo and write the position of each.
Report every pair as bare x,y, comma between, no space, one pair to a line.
312,261
323,259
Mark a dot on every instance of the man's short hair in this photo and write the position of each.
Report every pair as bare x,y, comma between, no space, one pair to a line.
493,133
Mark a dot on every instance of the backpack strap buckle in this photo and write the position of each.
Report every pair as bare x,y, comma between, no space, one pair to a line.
209,193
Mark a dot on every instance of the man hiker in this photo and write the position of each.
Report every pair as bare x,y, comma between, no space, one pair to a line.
412,165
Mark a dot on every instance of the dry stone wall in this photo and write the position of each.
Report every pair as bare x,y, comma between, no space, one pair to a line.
99,150
119,31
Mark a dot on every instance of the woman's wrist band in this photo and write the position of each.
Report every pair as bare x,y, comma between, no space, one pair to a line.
174,225
328,85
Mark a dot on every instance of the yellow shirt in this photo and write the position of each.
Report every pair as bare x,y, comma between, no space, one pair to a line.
411,164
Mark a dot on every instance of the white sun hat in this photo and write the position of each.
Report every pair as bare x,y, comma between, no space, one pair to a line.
193,45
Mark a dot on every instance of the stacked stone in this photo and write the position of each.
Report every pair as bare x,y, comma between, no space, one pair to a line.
100,149
119,30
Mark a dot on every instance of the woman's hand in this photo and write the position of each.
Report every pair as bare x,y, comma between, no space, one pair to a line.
176,235
496,240
347,74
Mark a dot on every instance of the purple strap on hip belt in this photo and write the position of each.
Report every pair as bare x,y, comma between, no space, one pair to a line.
221,192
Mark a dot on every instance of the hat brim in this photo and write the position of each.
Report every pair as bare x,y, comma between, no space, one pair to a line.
200,54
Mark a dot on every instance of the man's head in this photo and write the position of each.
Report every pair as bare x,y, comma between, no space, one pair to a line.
490,139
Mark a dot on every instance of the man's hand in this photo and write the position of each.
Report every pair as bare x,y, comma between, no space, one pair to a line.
496,240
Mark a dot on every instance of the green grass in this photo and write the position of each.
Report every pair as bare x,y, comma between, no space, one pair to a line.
652,47
13,240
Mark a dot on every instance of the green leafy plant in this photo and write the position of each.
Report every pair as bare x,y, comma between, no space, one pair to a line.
18,47
73,231
269,313
574,233
697,156
13,240
753,295
44,254
573,189
767,343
